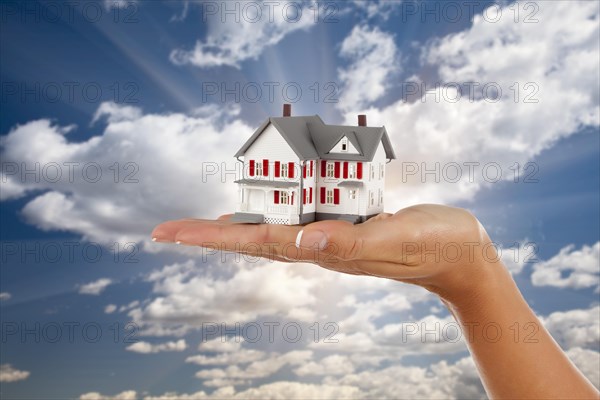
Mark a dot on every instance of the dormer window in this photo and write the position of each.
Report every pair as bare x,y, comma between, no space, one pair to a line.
344,144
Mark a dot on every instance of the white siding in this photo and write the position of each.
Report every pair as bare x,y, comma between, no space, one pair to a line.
375,183
350,149
271,146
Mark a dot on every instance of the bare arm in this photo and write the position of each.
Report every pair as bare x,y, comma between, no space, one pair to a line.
445,250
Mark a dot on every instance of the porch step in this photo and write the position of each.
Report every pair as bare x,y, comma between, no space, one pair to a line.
247,218
355,219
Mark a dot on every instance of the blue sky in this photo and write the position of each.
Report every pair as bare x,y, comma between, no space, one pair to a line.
154,63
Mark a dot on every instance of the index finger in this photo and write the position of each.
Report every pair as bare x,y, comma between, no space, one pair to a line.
262,240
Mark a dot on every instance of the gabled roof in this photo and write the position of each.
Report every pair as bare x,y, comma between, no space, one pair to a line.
311,138
329,141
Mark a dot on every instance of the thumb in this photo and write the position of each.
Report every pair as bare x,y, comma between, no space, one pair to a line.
339,239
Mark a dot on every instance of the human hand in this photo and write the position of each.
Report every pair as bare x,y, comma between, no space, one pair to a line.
443,249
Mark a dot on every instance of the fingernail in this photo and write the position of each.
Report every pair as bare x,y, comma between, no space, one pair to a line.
178,242
154,239
299,238
314,240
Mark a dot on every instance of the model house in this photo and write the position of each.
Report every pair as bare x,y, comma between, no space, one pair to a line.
298,170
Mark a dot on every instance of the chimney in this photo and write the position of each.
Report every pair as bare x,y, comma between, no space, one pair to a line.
287,110
362,120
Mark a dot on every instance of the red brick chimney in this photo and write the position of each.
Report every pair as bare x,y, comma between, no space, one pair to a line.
287,110
362,120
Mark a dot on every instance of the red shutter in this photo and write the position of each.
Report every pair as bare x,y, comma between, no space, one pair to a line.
277,169
251,167
336,196
265,167
359,170
345,169
291,170
303,196
311,168
337,169
292,203
304,171
323,169
322,195
310,196
276,196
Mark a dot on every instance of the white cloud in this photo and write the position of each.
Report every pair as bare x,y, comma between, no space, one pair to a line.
4,296
376,8
256,369
110,308
575,328
230,42
558,55
129,306
588,362
187,296
439,381
126,395
332,365
582,268
276,390
149,348
183,14
116,113
297,390
109,4
374,60
241,356
9,374
429,335
222,344
96,287
345,376
163,163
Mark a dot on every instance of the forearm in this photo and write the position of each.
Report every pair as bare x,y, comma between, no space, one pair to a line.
514,353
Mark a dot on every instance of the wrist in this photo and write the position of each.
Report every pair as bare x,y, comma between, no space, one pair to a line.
478,286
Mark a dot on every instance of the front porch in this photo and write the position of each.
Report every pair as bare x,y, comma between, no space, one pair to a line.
273,202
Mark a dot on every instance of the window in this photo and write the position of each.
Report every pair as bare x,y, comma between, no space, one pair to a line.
281,197
352,194
284,170
330,170
344,144
380,197
307,195
329,198
351,172
258,169
381,169
371,197
284,198
372,171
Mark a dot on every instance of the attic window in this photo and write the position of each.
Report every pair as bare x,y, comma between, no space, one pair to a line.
344,145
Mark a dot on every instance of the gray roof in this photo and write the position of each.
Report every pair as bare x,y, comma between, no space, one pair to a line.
311,138
265,182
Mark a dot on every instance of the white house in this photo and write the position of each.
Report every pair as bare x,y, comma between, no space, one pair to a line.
298,170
